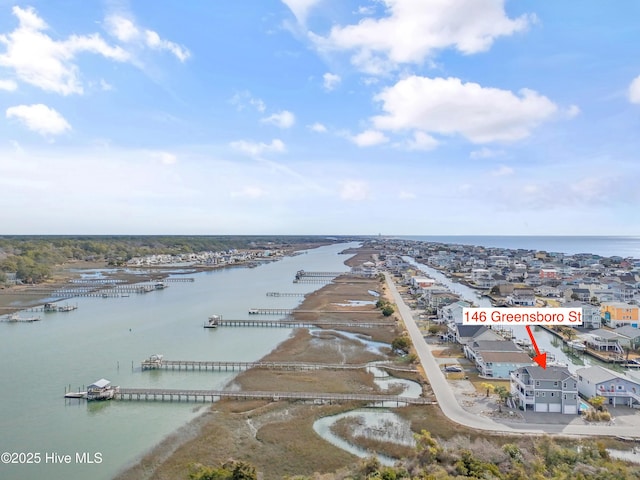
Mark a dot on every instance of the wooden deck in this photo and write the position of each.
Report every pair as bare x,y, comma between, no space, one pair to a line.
159,394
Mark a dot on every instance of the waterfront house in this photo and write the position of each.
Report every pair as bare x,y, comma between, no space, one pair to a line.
554,389
522,297
496,358
590,314
464,334
628,336
604,340
453,312
618,314
616,388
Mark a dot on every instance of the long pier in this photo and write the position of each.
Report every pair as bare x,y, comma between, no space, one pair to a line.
195,365
281,294
159,394
301,323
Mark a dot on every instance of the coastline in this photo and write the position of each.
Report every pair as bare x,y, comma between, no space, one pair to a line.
263,432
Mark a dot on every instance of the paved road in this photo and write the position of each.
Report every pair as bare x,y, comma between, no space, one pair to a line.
452,409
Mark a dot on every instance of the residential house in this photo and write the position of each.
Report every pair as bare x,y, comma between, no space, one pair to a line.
618,314
604,340
628,336
616,388
464,334
590,313
453,312
496,358
522,297
554,389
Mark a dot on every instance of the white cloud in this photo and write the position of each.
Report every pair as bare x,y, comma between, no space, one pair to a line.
369,138
105,86
421,141
331,81
39,118
301,8
572,111
256,149
634,90
318,127
166,158
354,191
283,119
46,63
414,30
244,98
485,152
249,192
503,171
126,30
8,85
447,106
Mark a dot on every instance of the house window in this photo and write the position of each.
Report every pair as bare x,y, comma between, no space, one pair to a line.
542,394
564,396
564,385
553,394
574,396
537,383
555,384
537,394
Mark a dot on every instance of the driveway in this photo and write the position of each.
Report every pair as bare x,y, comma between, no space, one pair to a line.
626,426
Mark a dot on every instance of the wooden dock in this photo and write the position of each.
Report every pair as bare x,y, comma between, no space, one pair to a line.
214,366
159,394
290,323
281,294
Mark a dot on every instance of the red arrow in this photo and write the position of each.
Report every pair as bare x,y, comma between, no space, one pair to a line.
539,359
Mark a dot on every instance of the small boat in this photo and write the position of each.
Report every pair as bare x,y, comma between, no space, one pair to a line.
160,286
14,317
575,345
213,321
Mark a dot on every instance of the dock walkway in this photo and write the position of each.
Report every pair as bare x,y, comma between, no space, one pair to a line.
194,365
290,323
158,394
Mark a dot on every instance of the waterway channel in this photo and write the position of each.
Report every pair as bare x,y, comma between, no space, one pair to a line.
108,338
545,340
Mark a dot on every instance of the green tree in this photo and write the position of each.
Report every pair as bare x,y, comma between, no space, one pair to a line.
401,344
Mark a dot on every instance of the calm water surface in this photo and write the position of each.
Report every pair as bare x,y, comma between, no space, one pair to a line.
109,337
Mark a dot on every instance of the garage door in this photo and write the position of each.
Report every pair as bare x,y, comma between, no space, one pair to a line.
571,409
555,407
541,407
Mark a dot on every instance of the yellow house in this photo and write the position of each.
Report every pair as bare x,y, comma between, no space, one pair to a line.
618,314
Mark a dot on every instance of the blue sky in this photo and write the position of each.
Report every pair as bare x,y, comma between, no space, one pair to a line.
400,117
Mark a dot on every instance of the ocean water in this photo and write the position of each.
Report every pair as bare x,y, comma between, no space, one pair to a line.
606,246
108,338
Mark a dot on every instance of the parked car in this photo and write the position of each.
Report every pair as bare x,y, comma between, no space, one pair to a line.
452,368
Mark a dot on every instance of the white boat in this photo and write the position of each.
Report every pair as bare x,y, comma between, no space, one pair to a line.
14,317
213,321
575,345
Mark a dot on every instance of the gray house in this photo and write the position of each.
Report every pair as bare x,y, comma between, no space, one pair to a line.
618,389
554,389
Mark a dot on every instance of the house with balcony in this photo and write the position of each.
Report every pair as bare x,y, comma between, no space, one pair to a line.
605,341
522,297
496,358
618,314
553,390
465,334
590,314
453,312
616,388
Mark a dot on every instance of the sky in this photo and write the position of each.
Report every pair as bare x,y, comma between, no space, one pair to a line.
393,117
